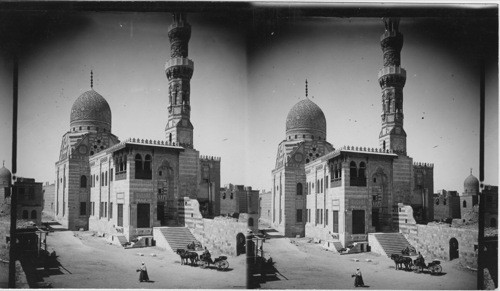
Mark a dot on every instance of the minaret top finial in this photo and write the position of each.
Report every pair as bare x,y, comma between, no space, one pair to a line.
306,89
3,163
91,79
471,171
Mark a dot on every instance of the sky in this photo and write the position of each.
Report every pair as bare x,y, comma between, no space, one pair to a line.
248,74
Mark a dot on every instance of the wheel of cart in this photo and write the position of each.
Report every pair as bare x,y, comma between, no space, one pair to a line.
203,264
222,265
436,269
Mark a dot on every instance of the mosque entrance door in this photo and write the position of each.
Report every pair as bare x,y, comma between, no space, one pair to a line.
379,193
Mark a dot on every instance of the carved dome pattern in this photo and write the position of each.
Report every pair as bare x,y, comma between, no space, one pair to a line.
306,116
91,109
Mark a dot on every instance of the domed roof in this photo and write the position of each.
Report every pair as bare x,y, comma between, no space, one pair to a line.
471,182
307,116
5,175
90,109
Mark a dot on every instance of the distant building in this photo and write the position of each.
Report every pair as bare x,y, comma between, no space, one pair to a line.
469,198
48,198
5,184
238,199
446,205
490,194
265,206
29,200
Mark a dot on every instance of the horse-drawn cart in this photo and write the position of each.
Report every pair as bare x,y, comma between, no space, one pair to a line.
433,267
220,263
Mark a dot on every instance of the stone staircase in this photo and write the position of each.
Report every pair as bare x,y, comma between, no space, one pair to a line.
177,237
392,243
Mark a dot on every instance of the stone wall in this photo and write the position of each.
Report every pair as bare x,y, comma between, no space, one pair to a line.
219,234
433,240
49,198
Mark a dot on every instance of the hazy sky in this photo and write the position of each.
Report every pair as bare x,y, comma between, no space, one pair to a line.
247,77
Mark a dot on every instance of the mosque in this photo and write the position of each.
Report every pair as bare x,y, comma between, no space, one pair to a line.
127,187
347,192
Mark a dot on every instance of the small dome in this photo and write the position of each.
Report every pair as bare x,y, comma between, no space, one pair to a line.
471,185
91,109
306,117
5,176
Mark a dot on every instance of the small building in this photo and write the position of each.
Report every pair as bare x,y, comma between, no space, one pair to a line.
446,205
29,200
469,198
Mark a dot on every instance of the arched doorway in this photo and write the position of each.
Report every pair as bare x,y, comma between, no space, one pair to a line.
240,244
453,249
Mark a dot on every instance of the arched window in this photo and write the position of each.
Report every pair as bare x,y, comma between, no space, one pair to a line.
83,181
437,201
464,204
25,214
106,178
33,214
383,145
444,201
354,171
231,195
299,188
138,166
138,163
147,164
362,170
170,138
120,162
250,221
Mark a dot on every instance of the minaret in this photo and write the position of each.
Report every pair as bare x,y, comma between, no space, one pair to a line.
392,79
179,70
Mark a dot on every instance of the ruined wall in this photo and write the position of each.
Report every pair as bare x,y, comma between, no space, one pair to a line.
433,240
219,234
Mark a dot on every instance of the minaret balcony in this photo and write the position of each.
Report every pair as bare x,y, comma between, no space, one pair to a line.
392,70
179,62
179,24
388,33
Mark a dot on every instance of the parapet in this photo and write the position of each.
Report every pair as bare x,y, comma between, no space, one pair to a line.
209,158
423,165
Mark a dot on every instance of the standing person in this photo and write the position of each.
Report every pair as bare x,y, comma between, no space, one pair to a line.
358,280
143,275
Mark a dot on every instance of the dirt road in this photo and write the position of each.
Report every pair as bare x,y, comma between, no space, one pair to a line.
307,266
90,262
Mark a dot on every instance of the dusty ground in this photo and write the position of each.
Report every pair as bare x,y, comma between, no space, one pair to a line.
90,262
308,266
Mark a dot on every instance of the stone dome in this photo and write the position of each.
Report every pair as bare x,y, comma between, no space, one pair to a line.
91,110
306,118
5,176
471,185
